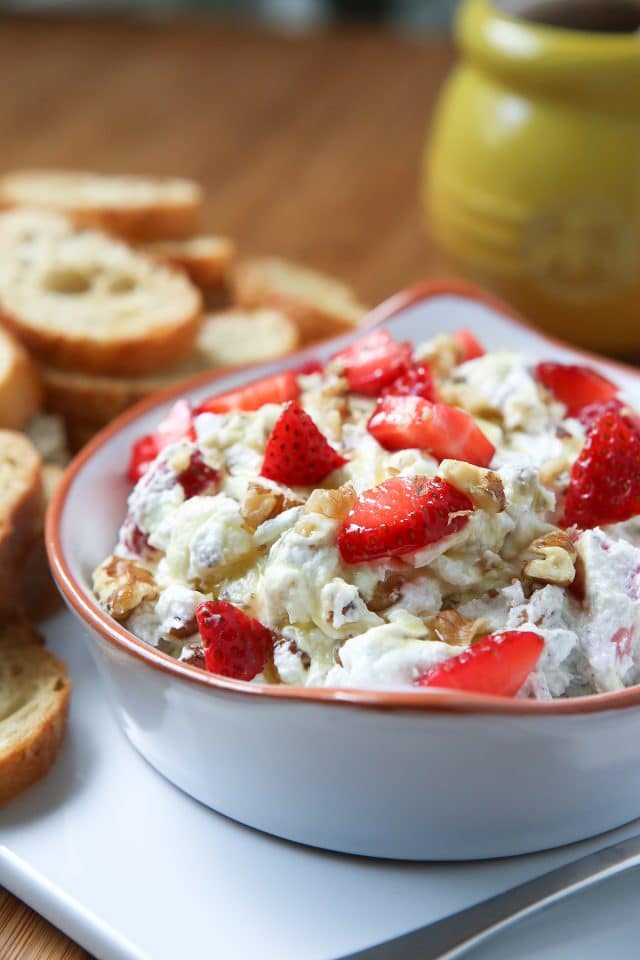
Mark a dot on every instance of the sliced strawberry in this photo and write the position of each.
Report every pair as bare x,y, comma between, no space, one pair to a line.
575,386
279,388
470,347
176,425
198,477
589,414
297,453
418,381
604,486
374,362
446,432
235,645
401,515
143,453
135,540
498,665
311,366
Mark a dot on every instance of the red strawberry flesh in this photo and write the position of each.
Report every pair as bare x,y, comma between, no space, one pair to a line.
374,362
176,425
198,477
417,381
297,453
497,665
399,423
604,485
279,388
235,645
575,386
470,347
401,515
143,453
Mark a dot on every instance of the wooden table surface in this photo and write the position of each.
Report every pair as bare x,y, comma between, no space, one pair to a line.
309,147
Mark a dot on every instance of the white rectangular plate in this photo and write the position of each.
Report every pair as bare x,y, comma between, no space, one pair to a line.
132,868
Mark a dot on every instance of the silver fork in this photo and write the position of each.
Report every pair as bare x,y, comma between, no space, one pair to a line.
452,936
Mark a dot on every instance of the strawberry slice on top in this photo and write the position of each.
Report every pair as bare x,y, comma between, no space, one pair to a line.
418,381
446,432
498,664
604,485
235,645
176,425
279,388
374,362
469,346
401,515
575,386
297,453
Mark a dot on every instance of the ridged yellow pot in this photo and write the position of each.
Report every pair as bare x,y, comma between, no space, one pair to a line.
532,173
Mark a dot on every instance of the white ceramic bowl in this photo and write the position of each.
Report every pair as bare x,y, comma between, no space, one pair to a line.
409,775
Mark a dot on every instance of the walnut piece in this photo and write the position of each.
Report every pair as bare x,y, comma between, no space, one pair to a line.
334,504
122,585
483,487
264,501
554,559
443,354
553,472
451,627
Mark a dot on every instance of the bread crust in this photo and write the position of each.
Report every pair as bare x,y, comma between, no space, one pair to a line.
127,358
20,386
130,219
21,500
101,399
207,261
142,225
253,285
27,756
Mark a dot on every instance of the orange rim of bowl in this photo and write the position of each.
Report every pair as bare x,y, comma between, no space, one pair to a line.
386,700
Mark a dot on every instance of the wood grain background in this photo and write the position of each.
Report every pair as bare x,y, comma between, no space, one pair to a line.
309,147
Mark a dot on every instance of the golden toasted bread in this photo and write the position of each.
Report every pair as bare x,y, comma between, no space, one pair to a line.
81,300
138,209
319,305
34,702
20,387
21,497
228,338
206,260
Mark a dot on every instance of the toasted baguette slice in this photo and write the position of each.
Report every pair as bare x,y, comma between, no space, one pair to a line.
20,388
207,261
34,703
229,338
319,305
234,337
30,585
21,497
140,209
81,300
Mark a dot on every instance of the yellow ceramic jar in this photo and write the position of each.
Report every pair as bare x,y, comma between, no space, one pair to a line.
532,175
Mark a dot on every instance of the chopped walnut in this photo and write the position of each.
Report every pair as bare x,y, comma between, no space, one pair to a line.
553,472
122,585
386,592
264,501
443,354
334,504
451,627
554,559
483,487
